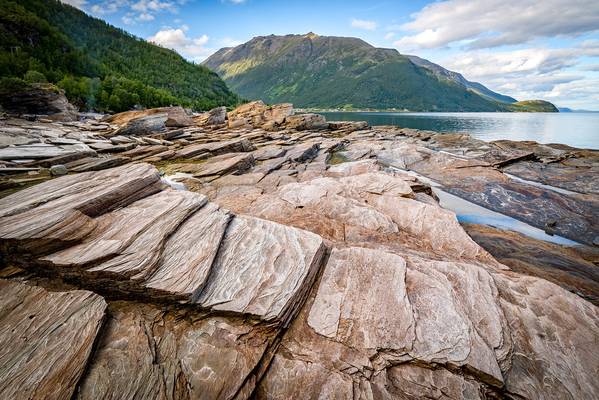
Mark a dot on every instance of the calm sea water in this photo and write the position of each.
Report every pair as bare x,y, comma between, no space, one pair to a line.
574,129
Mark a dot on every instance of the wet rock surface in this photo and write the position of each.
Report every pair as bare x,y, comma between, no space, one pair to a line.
262,254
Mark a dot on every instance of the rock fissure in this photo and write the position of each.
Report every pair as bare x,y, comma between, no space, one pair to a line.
332,275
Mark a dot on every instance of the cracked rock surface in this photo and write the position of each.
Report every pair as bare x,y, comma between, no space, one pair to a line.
265,255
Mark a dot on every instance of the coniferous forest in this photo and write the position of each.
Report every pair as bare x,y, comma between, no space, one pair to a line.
98,66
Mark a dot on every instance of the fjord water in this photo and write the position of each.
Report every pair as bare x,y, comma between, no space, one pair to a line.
573,129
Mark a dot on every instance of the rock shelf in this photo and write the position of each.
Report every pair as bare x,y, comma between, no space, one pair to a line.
305,259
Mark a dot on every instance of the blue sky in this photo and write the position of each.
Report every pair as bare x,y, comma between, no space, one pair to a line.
523,48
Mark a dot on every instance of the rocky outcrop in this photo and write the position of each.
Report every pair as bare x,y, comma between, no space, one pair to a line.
46,339
148,353
216,116
39,99
258,114
302,122
175,116
298,263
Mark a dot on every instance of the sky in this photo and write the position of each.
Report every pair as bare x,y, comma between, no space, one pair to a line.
527,49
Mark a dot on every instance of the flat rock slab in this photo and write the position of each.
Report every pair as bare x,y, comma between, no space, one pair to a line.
223,165
572,268
263,269
170,245
216,148
97,164
127,244
61,211
189,254
45,339
33,151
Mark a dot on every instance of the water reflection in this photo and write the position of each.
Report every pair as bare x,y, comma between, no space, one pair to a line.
574,129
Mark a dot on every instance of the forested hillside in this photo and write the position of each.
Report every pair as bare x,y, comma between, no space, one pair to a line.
99,66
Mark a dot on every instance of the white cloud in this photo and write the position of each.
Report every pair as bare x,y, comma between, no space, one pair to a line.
491,23
590,67
176,39
145,17
364,24
532,73
75,3
228,42
389,35
152,6
127,19
537,61
576,94
109,6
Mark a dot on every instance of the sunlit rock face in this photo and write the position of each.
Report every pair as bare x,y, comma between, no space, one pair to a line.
287,262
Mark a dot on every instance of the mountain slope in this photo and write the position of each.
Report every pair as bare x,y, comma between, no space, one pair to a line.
94,61
320,71
459,78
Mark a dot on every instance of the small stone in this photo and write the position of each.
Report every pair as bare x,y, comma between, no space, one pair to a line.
58,170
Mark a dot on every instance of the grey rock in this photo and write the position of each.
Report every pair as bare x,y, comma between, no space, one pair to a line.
58,170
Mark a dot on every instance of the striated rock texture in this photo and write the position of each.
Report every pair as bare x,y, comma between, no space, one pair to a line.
45,339
45,99
148,353
297,263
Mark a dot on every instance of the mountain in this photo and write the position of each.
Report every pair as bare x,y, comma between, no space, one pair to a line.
339,72
459,78
98,65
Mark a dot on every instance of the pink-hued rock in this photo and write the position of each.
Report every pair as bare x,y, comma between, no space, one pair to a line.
46,339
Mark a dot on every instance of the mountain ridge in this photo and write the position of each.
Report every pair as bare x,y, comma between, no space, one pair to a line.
475,86
315,71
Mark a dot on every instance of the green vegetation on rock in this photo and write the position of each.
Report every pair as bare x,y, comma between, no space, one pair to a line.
533,106
99,66
314,71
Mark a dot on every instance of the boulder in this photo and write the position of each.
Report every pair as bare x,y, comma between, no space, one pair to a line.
40,99
175,116
147,125
58,170
302,122
257,114
216,116
348,125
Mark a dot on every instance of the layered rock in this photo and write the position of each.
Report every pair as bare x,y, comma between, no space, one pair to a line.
257,114
216,116
40,99
148,353
170,116
46,339
310,263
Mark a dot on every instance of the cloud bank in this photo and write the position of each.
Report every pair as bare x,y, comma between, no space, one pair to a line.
176,39
492,23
